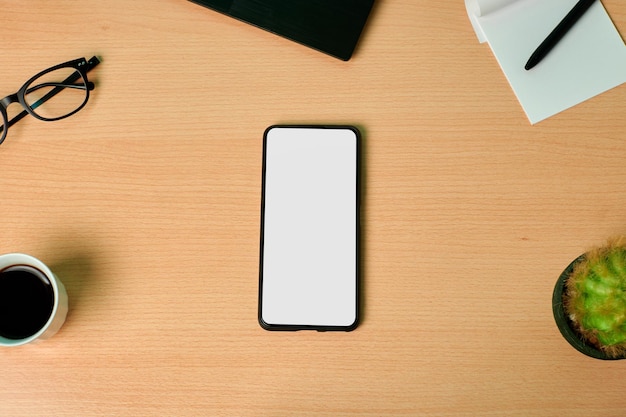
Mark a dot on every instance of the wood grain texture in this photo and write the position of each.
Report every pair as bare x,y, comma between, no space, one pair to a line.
146,205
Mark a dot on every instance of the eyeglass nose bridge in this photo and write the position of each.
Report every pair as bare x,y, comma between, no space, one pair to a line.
5,120
9,100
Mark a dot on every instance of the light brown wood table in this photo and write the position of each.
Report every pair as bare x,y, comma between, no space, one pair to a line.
146,204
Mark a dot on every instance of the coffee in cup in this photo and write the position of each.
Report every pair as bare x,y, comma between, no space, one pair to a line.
33,302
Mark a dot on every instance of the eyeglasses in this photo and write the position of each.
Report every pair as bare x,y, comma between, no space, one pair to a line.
53,94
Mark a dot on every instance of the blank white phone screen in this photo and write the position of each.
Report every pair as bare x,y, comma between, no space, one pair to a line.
309,242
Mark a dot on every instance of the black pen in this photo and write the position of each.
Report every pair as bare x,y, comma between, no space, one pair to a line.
559,31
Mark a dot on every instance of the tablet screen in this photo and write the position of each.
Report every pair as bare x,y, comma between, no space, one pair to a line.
330,26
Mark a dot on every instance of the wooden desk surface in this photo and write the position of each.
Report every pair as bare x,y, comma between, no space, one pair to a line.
146,204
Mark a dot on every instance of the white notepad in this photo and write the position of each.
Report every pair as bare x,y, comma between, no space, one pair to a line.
590,59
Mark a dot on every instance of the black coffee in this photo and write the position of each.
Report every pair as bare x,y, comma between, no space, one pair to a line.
26,301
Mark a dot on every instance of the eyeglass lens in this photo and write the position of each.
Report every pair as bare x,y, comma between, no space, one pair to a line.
56,94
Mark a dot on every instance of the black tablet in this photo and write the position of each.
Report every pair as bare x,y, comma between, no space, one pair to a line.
330,26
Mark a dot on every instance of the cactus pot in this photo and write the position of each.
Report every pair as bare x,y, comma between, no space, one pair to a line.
563,322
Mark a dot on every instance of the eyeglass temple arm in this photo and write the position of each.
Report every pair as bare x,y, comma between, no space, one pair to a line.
90,65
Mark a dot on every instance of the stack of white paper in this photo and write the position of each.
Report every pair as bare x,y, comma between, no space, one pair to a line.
590,59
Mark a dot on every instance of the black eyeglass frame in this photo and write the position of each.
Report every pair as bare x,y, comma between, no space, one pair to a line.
81,65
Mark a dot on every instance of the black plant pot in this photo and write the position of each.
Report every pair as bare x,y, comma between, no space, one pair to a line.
563,322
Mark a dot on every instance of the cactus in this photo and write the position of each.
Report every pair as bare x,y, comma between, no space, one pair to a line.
595,299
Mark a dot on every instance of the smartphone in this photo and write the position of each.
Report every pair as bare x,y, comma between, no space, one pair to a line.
309,261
